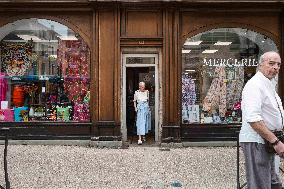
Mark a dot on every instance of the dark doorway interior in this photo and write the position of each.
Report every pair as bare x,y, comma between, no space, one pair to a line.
133,76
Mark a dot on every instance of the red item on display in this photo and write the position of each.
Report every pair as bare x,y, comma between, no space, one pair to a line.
18,96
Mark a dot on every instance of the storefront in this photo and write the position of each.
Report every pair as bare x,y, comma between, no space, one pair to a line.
72,70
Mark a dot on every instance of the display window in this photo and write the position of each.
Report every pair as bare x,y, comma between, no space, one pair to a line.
44,73
215,66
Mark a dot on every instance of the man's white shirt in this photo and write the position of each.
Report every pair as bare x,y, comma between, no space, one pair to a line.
259,103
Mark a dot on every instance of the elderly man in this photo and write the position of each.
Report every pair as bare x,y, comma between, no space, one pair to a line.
262,114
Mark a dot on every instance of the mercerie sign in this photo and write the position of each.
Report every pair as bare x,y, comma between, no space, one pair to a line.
229,62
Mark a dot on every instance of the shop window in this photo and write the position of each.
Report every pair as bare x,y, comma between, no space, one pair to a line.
215,66
44,73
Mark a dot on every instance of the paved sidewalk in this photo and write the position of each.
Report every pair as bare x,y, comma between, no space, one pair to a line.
58,167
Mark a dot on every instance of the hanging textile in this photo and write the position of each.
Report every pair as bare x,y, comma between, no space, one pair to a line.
188,91
3,87
16,58
74,58
216,95
234,87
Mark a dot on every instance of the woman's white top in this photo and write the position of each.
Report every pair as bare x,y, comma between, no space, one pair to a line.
140,96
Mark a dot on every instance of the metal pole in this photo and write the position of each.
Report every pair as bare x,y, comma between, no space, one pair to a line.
239,186
5,162
238,164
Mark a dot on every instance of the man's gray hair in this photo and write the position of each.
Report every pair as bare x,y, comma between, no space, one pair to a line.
261,59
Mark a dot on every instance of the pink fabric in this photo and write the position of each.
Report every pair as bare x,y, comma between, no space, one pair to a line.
81,112
3,87
7,115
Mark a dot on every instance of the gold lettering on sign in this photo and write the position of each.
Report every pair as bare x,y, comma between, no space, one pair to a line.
141,42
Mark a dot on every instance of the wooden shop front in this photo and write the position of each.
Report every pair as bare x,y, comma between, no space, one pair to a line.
69,69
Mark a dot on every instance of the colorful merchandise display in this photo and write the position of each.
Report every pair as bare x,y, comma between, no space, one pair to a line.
221,101
44,73
63,96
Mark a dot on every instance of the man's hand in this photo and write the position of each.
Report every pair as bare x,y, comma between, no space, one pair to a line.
279,148
135,109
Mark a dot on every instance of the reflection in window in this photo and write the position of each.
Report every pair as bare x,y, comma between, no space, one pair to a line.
45,73
215,66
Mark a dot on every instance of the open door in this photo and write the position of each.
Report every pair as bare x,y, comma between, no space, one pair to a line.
137,68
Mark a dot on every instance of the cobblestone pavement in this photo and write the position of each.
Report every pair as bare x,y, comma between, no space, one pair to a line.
58,167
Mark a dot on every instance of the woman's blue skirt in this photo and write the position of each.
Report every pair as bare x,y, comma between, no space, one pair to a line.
143,121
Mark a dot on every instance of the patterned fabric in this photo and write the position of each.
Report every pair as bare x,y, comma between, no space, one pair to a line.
234,87
74,58
216,95
188,91
16,58
81,112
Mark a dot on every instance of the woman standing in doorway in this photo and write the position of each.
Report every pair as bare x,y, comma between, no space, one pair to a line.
141,98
